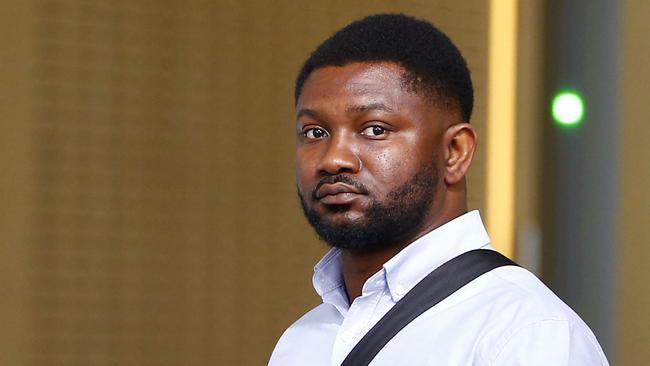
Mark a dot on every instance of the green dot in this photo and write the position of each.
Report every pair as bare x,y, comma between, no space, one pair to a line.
568,108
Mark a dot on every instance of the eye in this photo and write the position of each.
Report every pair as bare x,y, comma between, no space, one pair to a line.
314,133
374,131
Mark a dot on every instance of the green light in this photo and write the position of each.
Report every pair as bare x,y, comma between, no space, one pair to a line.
568,108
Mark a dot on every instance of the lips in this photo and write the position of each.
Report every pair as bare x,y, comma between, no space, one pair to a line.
337,193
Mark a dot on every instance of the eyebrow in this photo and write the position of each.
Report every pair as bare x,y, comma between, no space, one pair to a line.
359,108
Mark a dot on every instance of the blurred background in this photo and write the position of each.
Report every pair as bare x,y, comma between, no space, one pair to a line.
149,213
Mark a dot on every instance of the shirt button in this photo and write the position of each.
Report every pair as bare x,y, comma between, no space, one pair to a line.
347,337
400,290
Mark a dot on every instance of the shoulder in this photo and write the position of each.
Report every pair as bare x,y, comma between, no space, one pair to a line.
516,287
308,335
527,298
530,322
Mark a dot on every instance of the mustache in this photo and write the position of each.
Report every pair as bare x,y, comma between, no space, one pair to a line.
340,179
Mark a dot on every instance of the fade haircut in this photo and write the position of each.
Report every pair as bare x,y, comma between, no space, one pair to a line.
433,65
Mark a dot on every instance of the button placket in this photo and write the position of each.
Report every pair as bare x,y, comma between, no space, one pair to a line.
357,320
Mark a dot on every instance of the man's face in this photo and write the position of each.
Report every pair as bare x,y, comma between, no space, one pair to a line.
368,155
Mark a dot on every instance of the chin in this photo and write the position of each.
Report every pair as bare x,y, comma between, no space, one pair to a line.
343,214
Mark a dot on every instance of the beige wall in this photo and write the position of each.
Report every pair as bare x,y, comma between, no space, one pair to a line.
149,214
149,209
16,177
634,208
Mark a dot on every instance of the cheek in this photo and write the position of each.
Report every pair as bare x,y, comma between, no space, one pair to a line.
390,163
391,166
305,168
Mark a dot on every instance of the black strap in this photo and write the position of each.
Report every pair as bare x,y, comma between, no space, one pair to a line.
435,287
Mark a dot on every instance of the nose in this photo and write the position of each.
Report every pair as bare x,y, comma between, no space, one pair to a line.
339,157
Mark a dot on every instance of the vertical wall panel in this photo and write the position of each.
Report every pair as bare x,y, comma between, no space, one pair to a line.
633,231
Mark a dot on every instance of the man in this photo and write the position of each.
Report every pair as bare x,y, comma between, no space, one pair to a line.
383,145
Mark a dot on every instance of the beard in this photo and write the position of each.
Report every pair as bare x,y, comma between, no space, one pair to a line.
384,224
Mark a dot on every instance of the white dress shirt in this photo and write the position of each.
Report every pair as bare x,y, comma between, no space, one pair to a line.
504,317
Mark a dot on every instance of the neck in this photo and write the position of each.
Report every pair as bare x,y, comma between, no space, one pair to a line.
359,266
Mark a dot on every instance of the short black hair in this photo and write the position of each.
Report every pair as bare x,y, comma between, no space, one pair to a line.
433,64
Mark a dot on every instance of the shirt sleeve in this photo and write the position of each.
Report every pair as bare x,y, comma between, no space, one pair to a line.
549,342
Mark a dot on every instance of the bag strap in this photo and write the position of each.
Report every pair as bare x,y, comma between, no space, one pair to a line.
435,287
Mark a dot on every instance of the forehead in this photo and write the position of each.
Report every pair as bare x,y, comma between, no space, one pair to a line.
360,81
357,76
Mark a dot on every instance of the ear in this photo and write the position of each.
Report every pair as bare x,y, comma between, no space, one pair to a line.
459,142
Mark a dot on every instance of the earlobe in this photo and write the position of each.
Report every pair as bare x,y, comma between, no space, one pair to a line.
460,142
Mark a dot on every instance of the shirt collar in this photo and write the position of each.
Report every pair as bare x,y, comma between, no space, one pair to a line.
328,272
429,252
328,280
409,266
